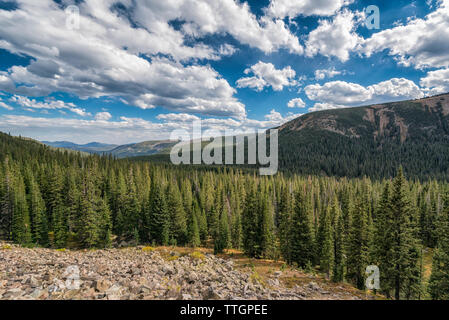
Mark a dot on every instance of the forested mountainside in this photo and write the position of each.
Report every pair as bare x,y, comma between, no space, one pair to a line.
55,199
368,141
371,141
93,147
145,148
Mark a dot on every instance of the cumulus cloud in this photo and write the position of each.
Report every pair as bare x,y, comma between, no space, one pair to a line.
104,116
49,104
138,56
436,82
336,38
322,74
266,75
325,106
422,43
340,94
296,103
204,17
181,117
292,9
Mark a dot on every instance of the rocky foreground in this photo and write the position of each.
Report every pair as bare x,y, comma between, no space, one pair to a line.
138,273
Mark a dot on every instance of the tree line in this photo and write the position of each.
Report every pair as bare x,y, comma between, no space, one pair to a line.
60,199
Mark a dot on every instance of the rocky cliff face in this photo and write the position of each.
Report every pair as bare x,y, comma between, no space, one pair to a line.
396,120
370,141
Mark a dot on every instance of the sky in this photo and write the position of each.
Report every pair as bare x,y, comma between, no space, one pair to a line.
129,71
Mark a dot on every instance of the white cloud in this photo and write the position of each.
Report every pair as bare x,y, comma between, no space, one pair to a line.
340,94
227,50
325,106
292,9
266,75
296,103
326,73
182,117
228,16
105,57
395,89
336,38
105,116
31,104
5,106
436,82
126,130
422,43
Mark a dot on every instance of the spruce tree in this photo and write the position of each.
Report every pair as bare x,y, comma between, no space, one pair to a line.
38,215
286,225
338,237
266,229
159,216
327,246
178,219
439,280
6,202
250,224
405,247
382,254
300,234
194,232
358,249
21,225
222,240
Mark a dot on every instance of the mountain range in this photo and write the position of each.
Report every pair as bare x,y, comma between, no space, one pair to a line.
354,142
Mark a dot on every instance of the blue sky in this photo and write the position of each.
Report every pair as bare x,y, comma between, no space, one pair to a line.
125,71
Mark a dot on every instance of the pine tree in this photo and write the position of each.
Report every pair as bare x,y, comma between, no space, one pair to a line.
194,232
89,226
338,237
237,232
439,280
300,234
266,229
383,239
38,215
159,217
60,226
21,225
405,248
104,222
178,219
358,249
251,245
286,225
6,202
327,247
222,239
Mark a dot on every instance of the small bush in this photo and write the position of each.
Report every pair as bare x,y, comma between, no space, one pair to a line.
172,258
197,255
6,247
61,250
256,278
147,249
